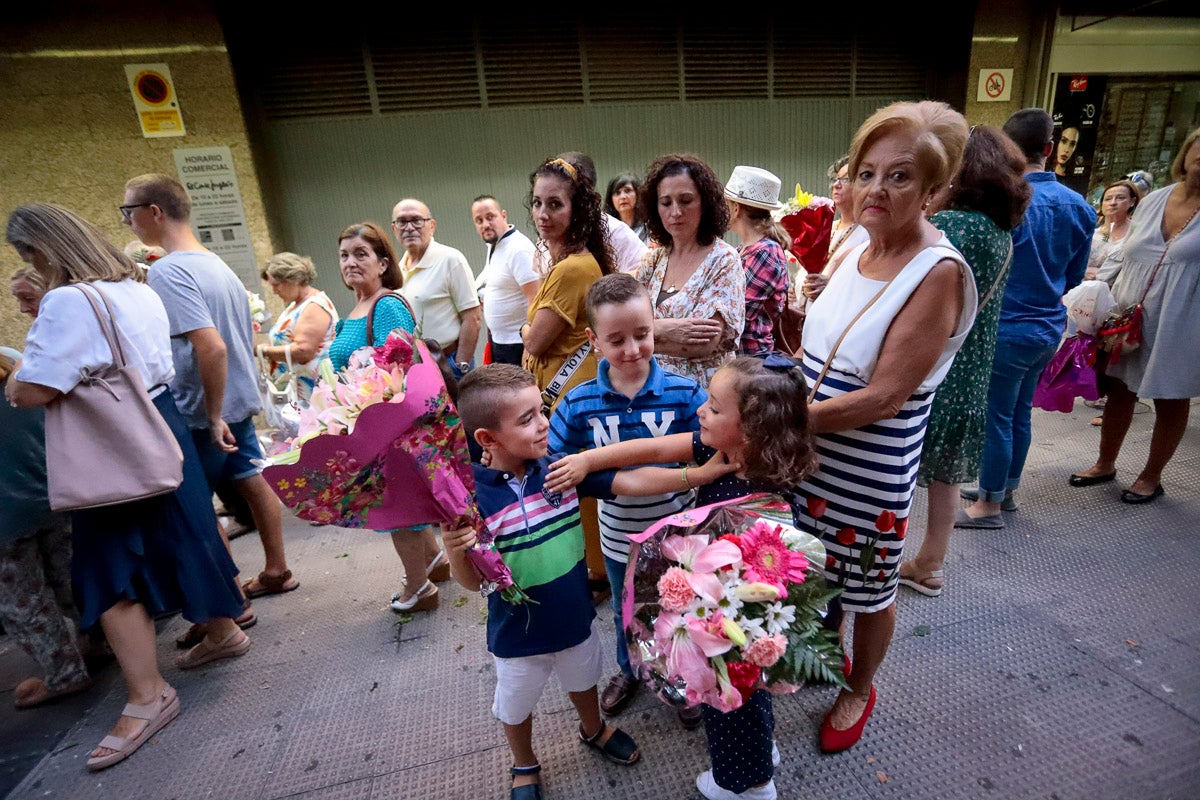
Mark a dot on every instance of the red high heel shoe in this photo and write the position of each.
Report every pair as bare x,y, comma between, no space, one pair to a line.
831,740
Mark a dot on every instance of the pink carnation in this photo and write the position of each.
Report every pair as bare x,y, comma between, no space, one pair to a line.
766,651
674,590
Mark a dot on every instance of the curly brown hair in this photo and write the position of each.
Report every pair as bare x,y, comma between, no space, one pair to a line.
586,230
773,405
714,212
992,178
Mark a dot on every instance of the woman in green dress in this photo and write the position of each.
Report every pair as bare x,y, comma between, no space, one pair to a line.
985,202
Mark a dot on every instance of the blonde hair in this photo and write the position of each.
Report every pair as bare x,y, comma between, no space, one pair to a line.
1178,167
30,276
940,136
290,268
73,248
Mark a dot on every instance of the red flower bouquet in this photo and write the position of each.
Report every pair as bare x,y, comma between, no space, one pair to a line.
808,219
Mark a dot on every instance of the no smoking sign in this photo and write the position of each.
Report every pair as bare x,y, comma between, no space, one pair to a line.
995,85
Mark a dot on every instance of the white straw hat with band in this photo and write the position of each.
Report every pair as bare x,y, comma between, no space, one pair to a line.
754,187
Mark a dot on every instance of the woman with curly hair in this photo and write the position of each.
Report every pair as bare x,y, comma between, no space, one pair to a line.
695,279
565,208
986,202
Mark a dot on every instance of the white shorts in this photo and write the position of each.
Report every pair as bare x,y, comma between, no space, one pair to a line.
520,681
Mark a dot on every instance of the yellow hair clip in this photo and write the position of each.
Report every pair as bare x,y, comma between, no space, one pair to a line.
567,166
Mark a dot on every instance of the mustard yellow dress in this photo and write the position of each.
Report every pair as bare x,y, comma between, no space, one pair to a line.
564,292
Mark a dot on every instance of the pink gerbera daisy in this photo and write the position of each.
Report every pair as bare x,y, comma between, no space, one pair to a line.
767,558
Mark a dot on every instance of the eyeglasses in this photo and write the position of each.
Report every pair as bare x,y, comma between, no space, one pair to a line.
127,211
839,182
410,222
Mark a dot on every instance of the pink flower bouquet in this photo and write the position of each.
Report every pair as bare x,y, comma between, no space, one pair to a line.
726,599
381,447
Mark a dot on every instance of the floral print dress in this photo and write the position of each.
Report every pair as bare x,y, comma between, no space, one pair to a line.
283,330
954,438
716,289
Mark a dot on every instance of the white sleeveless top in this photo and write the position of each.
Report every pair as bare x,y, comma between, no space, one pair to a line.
848,291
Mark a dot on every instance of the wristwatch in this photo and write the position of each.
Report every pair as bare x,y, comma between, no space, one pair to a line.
464,367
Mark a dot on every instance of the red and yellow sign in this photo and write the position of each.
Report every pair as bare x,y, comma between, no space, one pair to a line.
154,100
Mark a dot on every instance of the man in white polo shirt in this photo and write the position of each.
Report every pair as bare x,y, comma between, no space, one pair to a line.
438,284
508,282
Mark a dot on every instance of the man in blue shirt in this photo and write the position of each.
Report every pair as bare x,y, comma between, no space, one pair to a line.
1050,253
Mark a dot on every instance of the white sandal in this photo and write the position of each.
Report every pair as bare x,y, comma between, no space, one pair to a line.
424,599
919,585
156,714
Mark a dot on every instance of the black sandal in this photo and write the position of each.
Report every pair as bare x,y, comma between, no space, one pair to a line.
619,749
530,791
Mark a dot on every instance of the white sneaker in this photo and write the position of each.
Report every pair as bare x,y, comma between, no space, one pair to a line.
708,787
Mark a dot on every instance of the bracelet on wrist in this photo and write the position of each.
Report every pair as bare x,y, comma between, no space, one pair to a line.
687,486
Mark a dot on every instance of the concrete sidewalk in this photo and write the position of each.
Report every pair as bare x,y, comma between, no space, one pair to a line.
1063,661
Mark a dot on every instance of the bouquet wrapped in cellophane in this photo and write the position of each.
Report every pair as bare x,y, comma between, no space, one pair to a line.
381,446
726,599
808,219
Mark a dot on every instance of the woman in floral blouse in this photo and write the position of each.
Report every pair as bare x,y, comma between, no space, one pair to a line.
695,279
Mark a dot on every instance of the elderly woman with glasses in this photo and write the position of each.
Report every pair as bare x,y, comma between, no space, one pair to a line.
877,344
846,235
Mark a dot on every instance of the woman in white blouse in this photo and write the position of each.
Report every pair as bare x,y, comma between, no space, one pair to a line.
132,561
1116,209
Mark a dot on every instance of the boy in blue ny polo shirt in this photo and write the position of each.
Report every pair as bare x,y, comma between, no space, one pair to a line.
632,397
539,536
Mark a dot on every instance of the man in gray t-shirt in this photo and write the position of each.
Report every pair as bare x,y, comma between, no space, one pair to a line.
212,342
200,291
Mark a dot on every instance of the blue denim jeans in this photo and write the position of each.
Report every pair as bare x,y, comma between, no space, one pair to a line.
616,581
1015,374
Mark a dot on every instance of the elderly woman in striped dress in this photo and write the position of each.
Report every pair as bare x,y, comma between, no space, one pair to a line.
877,343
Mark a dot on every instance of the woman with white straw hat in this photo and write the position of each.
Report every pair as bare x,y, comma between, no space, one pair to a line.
752,194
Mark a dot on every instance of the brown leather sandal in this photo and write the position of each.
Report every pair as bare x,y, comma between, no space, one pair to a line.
266,584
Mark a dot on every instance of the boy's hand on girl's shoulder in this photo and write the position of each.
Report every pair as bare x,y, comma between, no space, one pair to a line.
716,467
567,473
458,540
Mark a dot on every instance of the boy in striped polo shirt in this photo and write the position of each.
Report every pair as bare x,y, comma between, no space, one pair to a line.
539,535
632,397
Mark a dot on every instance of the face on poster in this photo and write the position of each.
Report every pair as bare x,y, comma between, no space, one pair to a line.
1077,102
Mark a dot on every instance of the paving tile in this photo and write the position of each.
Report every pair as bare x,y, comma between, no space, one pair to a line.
1019,682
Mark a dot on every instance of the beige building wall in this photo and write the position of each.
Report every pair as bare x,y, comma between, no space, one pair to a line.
1012,35
68,132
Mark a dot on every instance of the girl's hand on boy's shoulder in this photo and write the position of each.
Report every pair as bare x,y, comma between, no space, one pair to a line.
567,473
716,467
458,539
